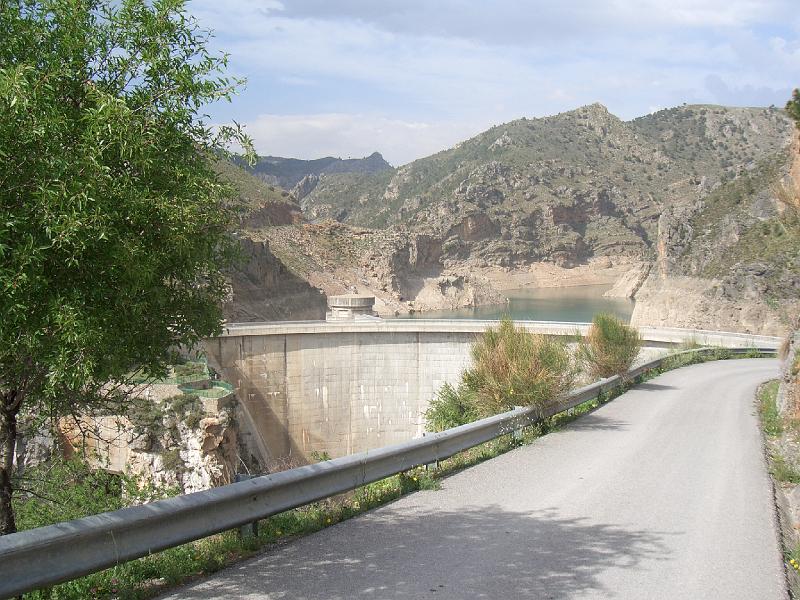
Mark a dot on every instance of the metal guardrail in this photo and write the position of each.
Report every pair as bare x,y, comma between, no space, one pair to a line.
48,555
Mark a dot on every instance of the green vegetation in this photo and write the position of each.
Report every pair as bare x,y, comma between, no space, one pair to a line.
511,367
764,246
609,348
792,559
781,468
670,149
252,193
768,409
152,419
62,490
107,192
793,107
450,408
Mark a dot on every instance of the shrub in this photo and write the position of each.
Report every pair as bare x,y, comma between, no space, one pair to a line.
690,344
610,347
722,354
451,407
768,408
513,367
783,470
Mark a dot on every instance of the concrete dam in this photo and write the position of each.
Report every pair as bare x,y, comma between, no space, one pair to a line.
348,386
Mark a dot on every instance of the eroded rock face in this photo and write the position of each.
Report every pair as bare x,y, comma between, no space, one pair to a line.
263,288
192,452
273,214
728,260
695,303
305,186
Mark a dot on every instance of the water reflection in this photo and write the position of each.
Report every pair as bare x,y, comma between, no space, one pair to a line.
573,304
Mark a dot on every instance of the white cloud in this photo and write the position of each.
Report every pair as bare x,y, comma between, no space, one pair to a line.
354,136
400,76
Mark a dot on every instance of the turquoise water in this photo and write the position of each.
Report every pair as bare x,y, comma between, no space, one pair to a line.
572,304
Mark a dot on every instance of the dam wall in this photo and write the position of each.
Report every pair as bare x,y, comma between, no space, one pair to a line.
344,387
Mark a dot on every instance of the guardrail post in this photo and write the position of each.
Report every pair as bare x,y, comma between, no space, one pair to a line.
432,466
516,435
247,530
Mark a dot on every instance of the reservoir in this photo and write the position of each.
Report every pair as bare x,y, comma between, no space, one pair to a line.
576,304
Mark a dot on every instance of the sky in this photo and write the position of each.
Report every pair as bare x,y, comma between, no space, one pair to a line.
409,78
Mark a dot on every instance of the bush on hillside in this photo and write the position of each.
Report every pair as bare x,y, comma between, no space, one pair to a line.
65,489
609,348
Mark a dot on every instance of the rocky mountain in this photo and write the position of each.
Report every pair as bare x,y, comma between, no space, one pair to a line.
262,288
563,188
289,172
683,199
732,259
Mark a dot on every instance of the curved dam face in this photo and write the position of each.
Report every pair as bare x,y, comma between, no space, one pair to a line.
345,387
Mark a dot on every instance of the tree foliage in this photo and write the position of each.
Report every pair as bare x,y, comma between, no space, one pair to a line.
793,107
113,224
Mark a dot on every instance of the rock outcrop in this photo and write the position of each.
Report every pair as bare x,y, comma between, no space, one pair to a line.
729,260
263,288
179,441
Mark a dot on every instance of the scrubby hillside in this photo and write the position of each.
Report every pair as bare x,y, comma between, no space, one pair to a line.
563,188
263,287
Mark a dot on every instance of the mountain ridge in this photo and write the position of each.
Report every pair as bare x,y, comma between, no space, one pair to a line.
288,172
598,198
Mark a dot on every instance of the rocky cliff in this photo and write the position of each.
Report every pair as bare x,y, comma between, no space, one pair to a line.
560,189
165,438
730,260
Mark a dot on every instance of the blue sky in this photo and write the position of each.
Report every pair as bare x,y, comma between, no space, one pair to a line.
411,77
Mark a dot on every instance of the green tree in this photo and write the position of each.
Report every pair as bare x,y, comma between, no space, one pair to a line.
793,107
113,224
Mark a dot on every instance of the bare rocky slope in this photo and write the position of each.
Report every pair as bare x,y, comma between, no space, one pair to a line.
728,261
676,208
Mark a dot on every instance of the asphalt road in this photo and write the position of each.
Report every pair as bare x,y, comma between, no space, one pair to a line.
662,493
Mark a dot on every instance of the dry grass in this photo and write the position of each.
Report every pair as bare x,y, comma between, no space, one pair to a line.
788,194
610,347
513,367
